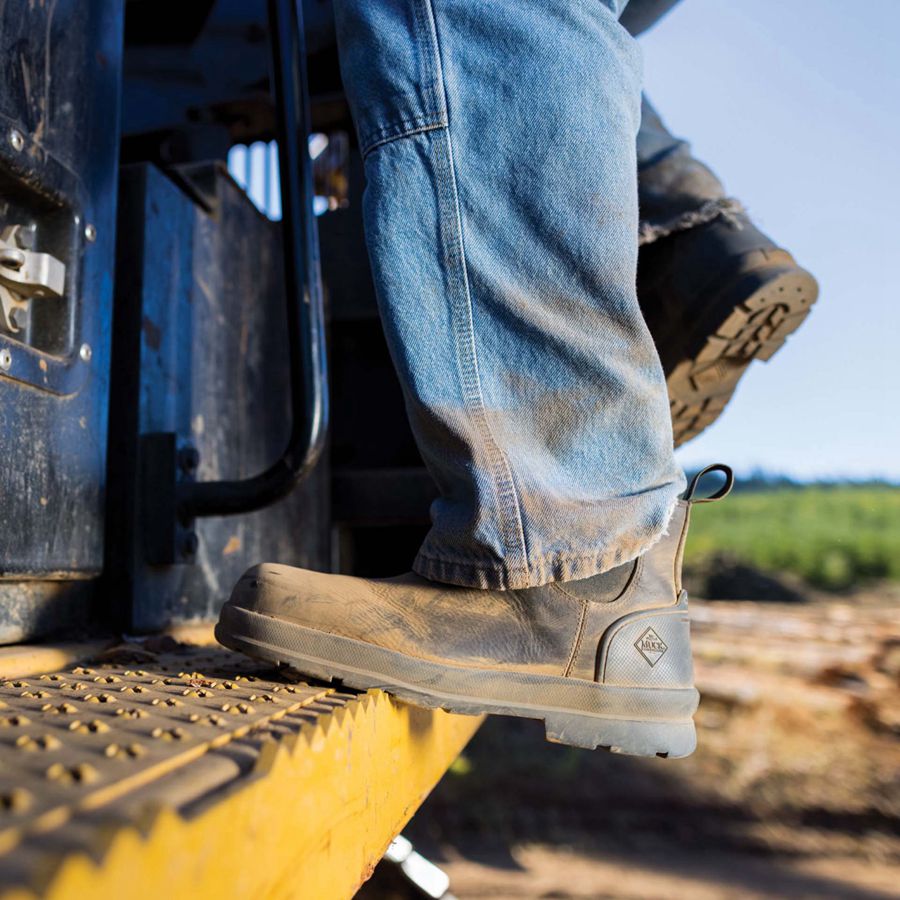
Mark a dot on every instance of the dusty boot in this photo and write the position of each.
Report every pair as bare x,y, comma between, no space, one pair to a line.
605,661
716,297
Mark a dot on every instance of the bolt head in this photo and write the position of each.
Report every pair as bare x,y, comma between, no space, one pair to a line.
19,317
189,545
90,233
85,352
188,459
16,139
5,359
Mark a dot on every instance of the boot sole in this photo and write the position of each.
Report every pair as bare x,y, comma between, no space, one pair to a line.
751,321
575,712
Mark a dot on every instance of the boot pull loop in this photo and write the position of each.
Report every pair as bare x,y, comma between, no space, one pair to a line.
720,493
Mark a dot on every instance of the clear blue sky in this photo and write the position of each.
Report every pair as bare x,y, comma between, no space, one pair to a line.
796,105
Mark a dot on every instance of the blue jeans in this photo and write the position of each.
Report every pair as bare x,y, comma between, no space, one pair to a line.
501,218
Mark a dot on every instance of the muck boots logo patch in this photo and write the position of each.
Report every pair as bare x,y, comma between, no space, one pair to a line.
651,646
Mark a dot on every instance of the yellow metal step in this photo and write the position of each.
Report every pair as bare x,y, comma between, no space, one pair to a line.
164,769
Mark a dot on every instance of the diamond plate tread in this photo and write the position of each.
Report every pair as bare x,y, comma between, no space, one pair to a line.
171,746
77,739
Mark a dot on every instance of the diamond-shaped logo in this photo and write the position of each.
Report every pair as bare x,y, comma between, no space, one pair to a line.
651,646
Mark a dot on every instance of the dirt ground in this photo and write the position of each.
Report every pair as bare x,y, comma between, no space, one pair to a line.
793,792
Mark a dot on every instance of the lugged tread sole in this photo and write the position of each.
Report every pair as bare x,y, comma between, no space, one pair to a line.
605,719
776,304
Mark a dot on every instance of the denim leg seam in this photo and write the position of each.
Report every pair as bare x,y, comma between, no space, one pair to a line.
468,368
467,354
434,112
389,137
429,53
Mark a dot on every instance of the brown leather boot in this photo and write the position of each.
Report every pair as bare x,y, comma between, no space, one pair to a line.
604,661
716,297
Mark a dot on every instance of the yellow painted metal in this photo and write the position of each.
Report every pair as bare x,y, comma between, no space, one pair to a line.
21,660
296,797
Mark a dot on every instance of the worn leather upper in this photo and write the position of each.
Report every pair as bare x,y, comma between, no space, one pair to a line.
554,629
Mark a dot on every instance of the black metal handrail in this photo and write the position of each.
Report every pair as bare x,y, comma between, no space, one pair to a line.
303,290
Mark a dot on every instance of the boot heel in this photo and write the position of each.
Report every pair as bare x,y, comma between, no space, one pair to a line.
650,648
666,739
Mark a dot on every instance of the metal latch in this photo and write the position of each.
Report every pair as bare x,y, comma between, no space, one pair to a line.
25,275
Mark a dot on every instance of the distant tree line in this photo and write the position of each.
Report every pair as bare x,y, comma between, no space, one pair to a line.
760,480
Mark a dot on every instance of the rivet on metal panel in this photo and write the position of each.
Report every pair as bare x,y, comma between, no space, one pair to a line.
5,359
95,726
189,544
211,719
14,721
41,742
16,139
16,800
85,352
82,773
90,233
168,734
188,459
61,709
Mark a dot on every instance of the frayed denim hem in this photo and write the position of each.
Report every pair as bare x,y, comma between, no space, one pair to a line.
555,567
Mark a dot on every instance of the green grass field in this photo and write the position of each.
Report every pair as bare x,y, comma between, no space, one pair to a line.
834,537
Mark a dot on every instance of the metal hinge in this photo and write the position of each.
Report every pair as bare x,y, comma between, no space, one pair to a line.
25,275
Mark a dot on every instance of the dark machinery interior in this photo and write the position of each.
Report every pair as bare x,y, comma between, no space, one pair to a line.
167,416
